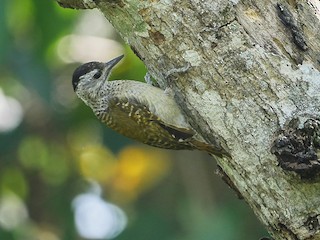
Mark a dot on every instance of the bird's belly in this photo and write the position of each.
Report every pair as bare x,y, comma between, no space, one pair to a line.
147,132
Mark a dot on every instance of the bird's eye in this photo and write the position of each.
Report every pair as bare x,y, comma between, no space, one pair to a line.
97,74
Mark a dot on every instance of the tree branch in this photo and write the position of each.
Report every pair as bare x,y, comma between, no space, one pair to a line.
254,71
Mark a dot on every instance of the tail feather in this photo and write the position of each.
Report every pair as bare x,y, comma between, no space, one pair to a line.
215,150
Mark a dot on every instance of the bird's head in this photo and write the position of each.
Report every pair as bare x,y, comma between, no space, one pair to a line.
89,77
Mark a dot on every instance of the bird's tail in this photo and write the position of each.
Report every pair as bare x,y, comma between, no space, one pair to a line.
209,148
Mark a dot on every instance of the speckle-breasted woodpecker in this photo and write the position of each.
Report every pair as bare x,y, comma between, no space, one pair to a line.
137,110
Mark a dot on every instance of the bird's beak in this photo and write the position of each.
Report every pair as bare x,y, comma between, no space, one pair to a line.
112,63
108,67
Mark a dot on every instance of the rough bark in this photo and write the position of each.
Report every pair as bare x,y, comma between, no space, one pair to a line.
252,87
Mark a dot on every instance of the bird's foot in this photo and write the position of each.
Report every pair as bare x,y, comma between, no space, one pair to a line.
148,80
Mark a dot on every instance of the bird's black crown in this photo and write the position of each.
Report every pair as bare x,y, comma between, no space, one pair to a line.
84,69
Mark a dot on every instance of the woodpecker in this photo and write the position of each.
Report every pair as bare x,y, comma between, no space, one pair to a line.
136,110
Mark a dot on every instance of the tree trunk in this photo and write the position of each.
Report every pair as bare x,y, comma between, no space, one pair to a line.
246,74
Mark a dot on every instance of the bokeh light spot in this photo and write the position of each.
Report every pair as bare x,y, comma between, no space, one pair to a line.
138,169
97,162
56,170
10,111
49,158
33,152
12,180
96,218
13,212
78,48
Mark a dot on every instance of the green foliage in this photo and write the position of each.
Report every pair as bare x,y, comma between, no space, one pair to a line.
57,144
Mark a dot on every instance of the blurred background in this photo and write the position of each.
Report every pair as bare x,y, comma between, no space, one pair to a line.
65,176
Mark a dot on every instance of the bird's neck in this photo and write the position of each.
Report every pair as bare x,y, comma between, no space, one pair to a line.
96,97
